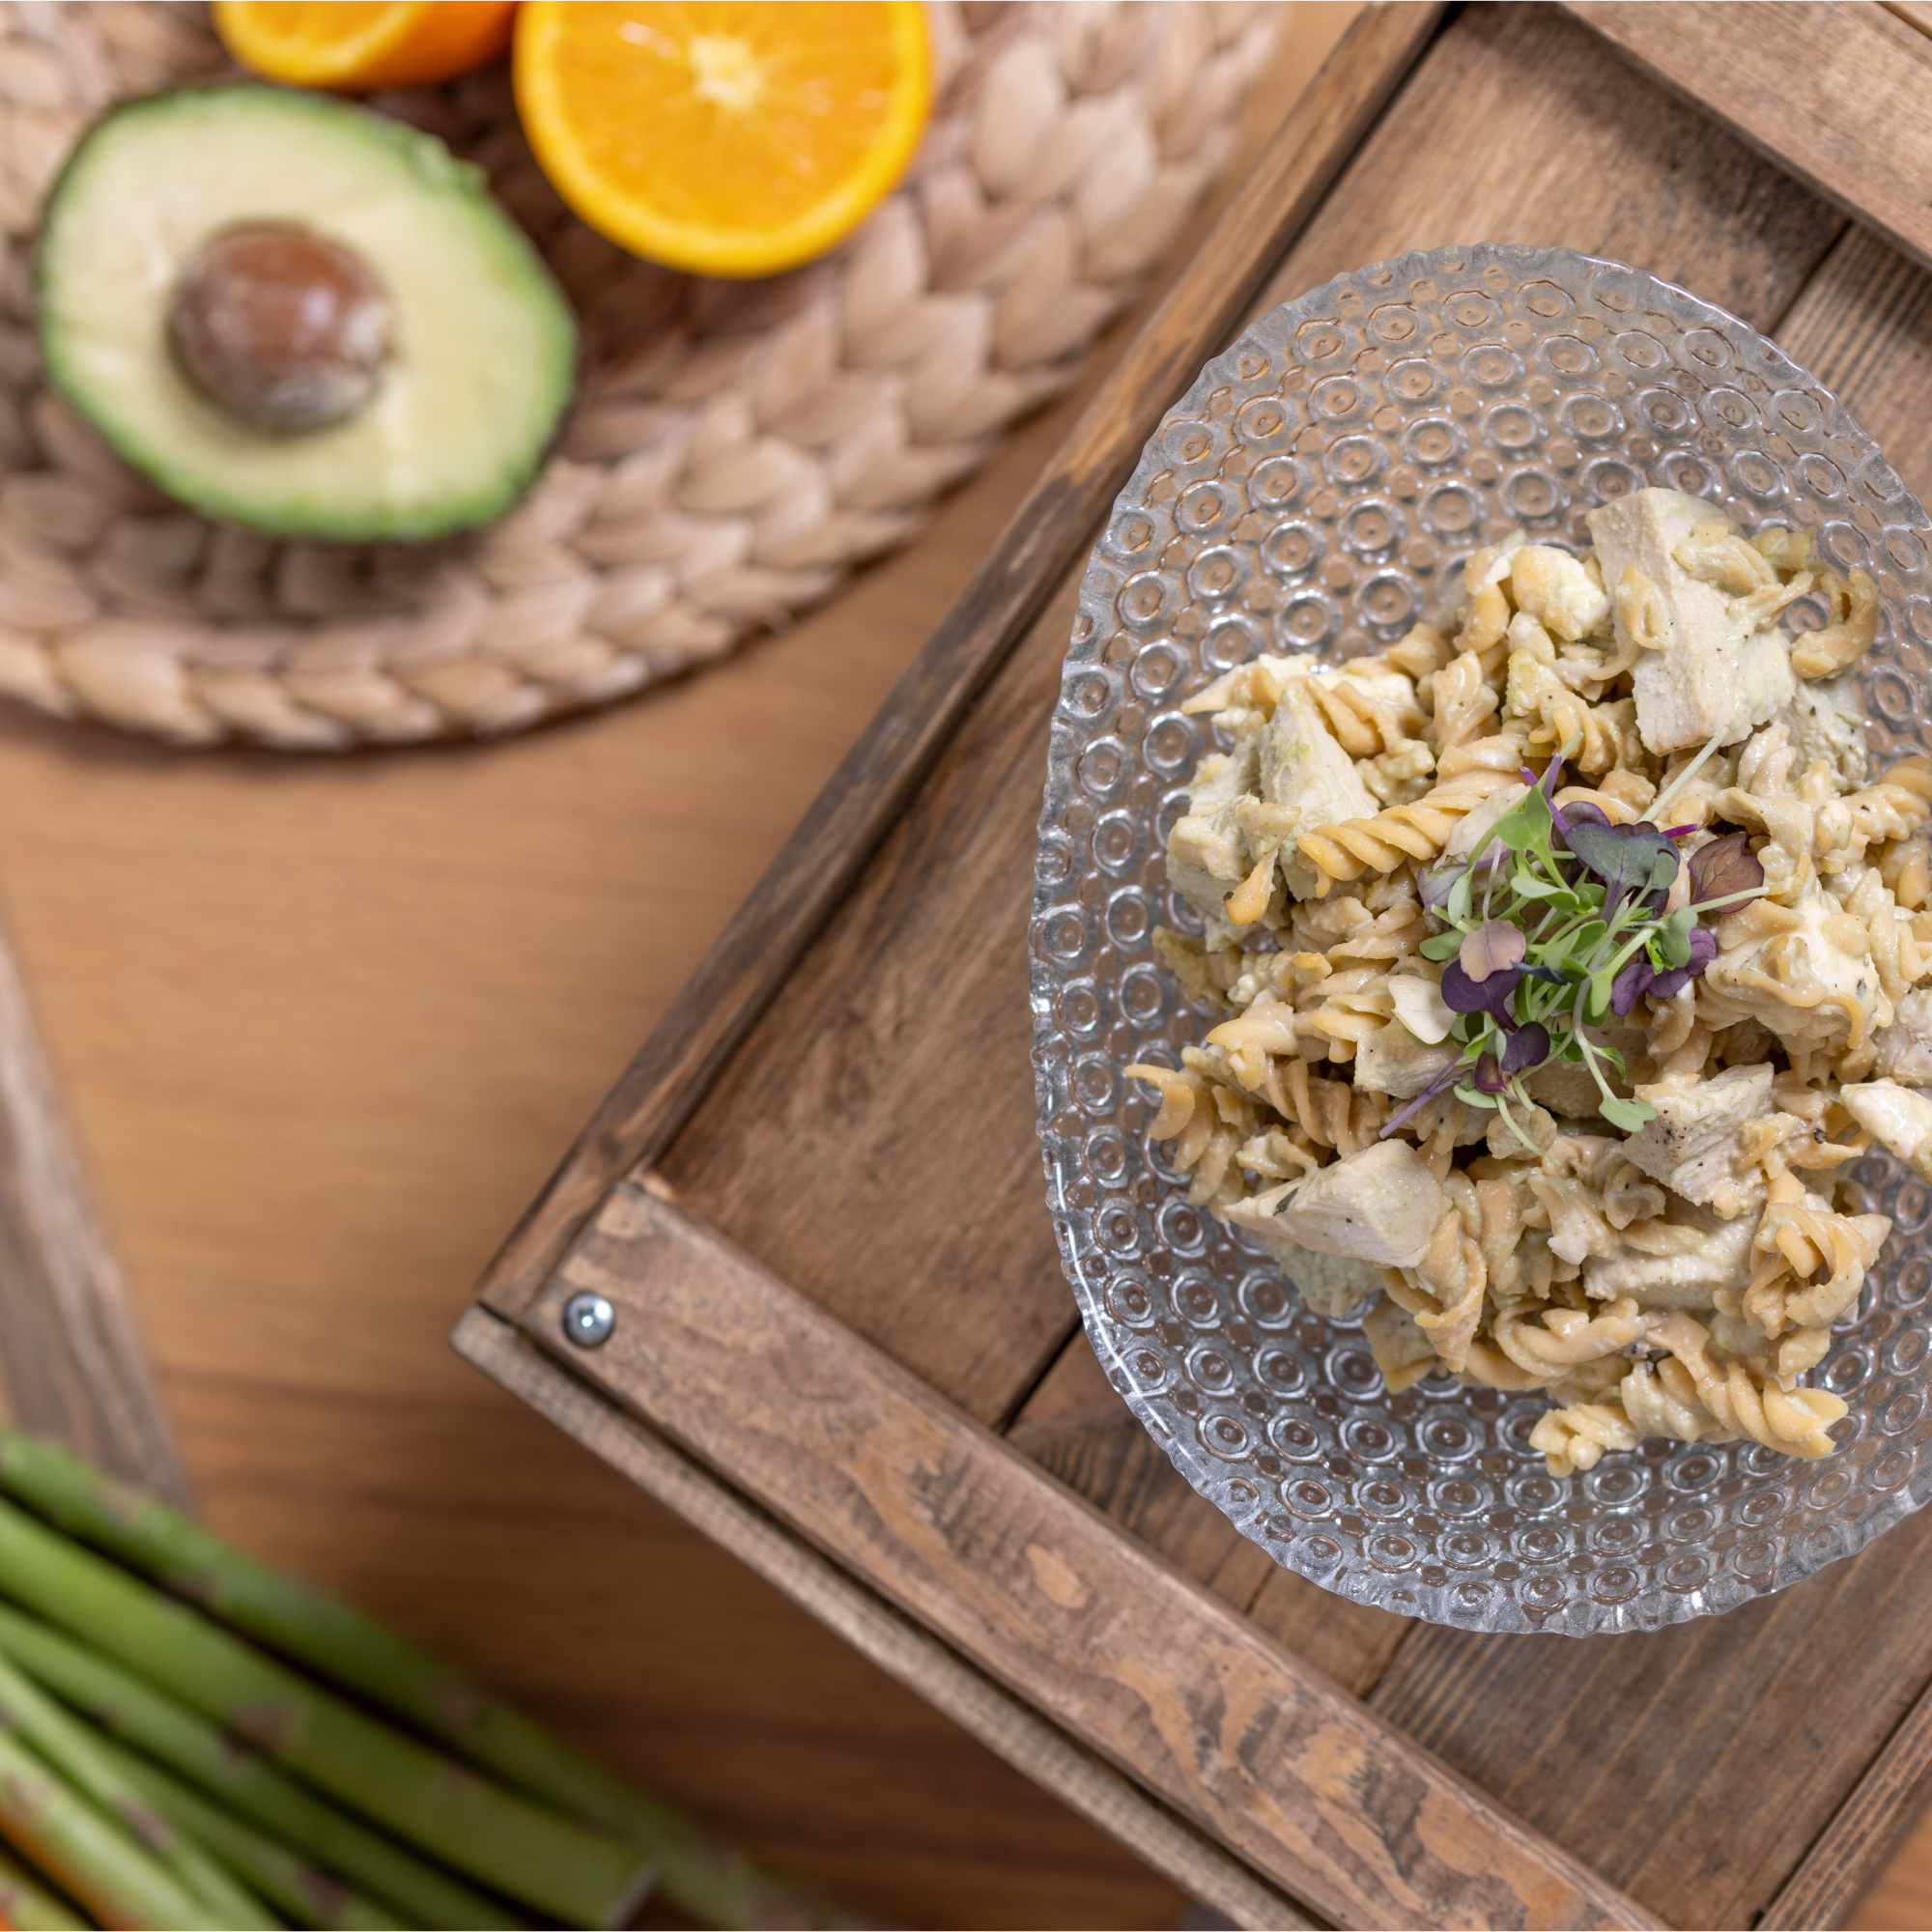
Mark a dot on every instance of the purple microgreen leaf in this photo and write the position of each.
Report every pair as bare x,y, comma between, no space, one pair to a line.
1466,995
1581,812
1703,949
1631,984
1634,858
1724,868
1494,947
1529,1048
1489,1077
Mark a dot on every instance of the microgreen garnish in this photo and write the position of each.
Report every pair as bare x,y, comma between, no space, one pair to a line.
1558,921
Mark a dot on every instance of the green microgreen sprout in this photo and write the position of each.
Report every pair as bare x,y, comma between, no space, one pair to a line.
1558,921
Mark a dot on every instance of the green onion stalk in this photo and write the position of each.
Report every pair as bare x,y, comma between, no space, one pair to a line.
1559,921
26,1905
533,1855
78,1755
242,1783
716,1884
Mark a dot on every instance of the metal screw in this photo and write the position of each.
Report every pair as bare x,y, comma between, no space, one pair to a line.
589,1320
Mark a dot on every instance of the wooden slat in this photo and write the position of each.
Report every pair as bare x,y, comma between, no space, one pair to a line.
71,1365
1000,1721
1838,93
946,1520
1523,126
1046,534
1078,1430
1735,1739
1839,1865
1913,13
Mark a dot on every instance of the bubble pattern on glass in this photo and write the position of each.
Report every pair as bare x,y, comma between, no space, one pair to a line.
1318,487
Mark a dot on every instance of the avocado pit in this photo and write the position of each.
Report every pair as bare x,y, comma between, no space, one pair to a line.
280,327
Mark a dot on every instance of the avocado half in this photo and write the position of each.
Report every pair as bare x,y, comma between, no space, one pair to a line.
484,359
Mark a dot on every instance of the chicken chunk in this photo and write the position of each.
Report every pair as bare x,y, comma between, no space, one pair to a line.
1380,1205
1392,1061
1900,1120
1692,1146
1312,781
1204,857
1705,670
1905,1046
1332,1285
1686,1274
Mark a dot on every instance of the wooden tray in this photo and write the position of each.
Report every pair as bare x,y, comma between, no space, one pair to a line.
842,1344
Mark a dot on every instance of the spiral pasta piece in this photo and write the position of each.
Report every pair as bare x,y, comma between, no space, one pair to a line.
1382,843
1593,737
1742,1402
1464,701
1445,1291
1576,1437
1564,1337
1796,1240
1847,635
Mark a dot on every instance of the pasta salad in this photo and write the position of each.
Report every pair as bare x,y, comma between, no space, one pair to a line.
1561,960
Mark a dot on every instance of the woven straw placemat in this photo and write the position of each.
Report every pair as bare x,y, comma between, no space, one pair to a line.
736,448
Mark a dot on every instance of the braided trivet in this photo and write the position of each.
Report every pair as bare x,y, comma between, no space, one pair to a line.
736,449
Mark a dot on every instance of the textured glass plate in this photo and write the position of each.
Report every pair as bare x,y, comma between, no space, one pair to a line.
1318,487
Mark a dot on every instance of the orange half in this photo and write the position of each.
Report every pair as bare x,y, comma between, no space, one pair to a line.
354,47
723,137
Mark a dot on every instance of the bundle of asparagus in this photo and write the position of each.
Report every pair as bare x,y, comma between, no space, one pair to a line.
157,1768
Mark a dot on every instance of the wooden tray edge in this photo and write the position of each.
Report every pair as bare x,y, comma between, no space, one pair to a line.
1041,1591
930,1668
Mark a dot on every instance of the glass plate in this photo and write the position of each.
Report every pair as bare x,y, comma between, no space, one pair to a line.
1317,489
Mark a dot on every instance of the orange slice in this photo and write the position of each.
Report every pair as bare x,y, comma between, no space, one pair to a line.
723,137
354,47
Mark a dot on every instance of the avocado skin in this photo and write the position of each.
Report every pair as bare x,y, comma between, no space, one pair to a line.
482,498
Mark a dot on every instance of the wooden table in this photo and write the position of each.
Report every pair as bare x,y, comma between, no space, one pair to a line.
842,1346
325,1026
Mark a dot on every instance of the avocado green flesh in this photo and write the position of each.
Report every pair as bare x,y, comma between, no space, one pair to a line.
485,349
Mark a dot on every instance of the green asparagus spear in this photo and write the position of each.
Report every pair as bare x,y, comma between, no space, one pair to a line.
26,1905
306,1893
242,1782
714,1884
73,1752
547,1860
85,1852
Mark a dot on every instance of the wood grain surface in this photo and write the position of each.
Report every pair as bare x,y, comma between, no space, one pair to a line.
324,1028
1838,93
947,1520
